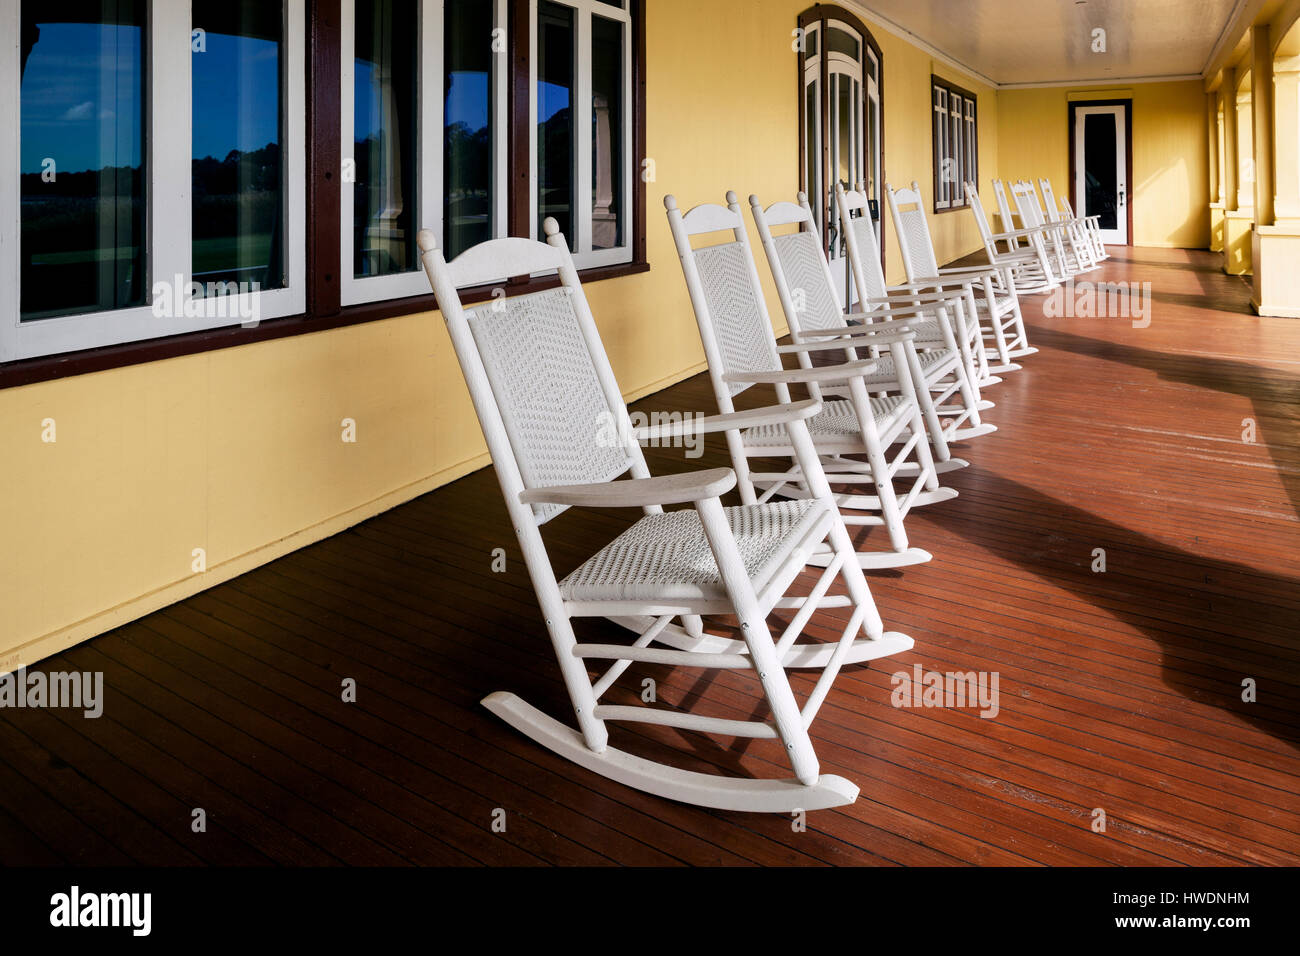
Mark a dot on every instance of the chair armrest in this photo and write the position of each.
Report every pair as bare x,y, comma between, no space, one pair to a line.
1021,233
827,373
854,338
732,421
891,325
906,298
637,492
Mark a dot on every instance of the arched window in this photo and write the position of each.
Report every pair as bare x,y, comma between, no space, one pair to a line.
840,95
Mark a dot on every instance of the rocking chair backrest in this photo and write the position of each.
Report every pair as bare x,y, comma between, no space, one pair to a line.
981,220
859,232
1004,206
803,278
541,383
1049,201
1027,202
913,230
725,292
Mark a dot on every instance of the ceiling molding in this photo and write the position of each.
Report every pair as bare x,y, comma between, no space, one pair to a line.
871,16
1232,28
1107,81
1229,30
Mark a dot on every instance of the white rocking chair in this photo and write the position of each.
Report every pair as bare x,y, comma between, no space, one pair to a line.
543,390
1033,268
742,351
1069,253
947,322
816,317
1076,229
1093,225
998,303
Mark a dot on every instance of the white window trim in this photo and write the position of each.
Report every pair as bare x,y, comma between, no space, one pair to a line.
168,145
957,148
584,257
429,150
940,114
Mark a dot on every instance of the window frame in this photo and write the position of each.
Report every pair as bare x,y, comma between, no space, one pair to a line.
167,111
320,113
960,117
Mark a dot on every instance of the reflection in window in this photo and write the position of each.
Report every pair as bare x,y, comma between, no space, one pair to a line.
555,89
384,125
238,224
82,162
606,133
467,142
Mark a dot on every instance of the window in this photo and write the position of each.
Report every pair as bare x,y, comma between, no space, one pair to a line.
840,120
413,161
165,183
158,180
581,105
956,144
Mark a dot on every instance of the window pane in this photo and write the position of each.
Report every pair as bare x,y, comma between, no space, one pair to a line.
1101,182
838,41
555,89
812,148
844,129
384,137
606,133
238,226
82,164
467,143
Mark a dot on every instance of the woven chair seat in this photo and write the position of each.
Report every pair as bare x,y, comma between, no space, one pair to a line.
837,419
887,373
666,557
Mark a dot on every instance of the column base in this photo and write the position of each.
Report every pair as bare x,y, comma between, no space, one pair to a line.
1237,247
1216,227
1275,287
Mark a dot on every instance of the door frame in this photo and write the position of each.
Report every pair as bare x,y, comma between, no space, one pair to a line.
1075,203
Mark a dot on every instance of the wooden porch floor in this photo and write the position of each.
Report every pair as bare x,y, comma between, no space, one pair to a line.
1119,690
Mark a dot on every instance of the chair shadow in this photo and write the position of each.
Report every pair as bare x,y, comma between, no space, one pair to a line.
1138,583
1272,399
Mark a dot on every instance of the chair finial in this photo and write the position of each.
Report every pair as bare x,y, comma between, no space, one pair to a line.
732,198
802,197
550,226
426,240
670,202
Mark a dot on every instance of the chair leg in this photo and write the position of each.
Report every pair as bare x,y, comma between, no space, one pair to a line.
762,650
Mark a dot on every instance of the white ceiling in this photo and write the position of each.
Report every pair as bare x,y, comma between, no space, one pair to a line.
1031,42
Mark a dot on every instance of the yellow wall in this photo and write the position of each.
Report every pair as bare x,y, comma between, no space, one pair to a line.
1170,165
238,451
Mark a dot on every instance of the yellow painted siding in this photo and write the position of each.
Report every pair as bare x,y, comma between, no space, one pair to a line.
1170,165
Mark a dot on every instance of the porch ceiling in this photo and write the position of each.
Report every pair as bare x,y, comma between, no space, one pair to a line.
1031,42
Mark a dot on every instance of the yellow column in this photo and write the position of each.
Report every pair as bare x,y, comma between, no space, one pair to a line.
1261,96
1286,139
1212,141
1228,106
1275,287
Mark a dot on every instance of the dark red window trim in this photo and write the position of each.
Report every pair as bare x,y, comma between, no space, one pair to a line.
324,159
817,13
941,83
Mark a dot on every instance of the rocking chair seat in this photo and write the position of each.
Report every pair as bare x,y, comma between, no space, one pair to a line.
666,557
837,419
885,371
